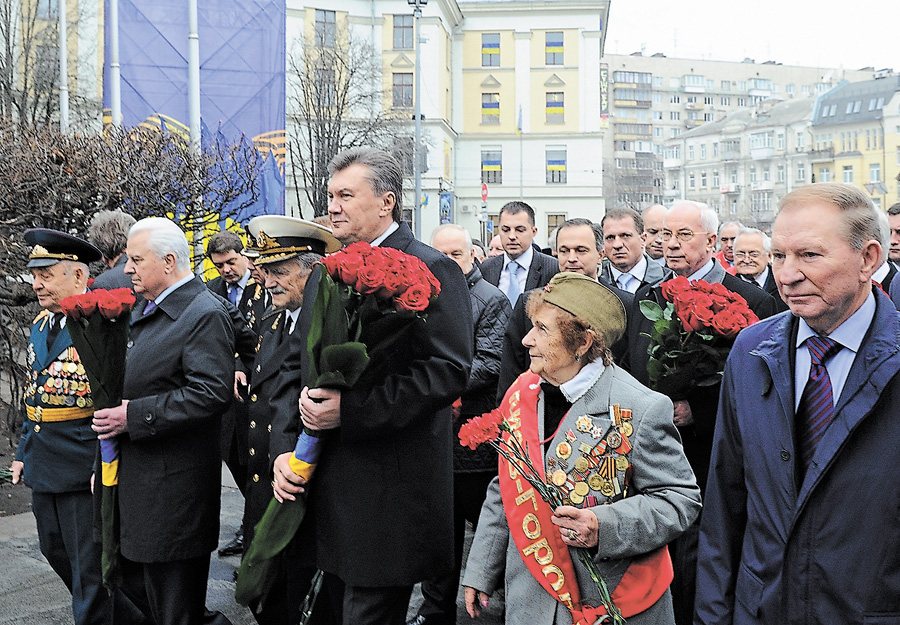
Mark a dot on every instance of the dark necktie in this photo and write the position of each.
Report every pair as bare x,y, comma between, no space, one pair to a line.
816,408
55,327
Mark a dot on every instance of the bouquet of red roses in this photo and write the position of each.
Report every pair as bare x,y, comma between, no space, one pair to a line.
99,323
367,299
692,335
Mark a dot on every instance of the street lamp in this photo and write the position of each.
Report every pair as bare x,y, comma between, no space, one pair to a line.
417,146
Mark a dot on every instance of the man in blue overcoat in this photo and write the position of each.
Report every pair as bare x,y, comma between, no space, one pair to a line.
800,520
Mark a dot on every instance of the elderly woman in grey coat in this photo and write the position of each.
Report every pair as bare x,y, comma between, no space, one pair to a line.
609,444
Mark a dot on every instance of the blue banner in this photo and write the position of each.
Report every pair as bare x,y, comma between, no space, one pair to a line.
242,76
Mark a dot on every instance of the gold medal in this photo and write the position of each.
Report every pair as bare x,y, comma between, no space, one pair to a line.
88,402
595,482
80,402
627,429
581,489
558,477
45,398
71,367
621,463
576,499
607,489
613,439
581,465
79,369
584,423
564,450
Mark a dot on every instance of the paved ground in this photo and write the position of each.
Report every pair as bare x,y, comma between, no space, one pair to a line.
32,594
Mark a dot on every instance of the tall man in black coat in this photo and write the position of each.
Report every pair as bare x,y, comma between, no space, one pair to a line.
520,259
689,238
178,382
381,498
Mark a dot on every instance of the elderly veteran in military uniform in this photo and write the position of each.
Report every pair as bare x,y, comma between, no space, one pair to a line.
56,451
610,445
285,249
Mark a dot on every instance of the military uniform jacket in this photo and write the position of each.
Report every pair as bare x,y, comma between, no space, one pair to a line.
57,443
179,380
274,389
639,507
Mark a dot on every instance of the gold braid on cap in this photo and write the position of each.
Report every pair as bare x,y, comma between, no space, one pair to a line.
270,250
39,251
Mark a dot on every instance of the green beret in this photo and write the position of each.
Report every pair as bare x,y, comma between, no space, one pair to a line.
589,301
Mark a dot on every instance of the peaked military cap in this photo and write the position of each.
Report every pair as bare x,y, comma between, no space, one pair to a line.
278,237
52,246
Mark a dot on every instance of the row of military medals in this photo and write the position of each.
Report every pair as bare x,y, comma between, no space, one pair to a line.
68,383
596,468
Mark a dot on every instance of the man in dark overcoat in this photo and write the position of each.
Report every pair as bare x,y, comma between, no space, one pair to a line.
178,381
381,499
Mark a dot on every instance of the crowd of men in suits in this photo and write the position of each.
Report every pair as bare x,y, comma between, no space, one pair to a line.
219,372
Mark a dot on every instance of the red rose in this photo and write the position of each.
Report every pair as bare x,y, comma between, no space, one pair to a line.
694,309
730,321
70,308
108,306
369,279
360,248
671,288
391,285
415,298
349,267
332,265
87,303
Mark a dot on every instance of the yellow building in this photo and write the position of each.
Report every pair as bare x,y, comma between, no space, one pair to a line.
855,133
510,97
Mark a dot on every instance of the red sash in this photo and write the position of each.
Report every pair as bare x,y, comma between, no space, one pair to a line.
539,542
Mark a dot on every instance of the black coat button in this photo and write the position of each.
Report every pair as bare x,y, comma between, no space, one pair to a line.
785,455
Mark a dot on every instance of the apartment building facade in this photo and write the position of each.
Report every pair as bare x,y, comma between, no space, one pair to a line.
654,99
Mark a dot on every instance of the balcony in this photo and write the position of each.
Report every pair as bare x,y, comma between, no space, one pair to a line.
731,187
762,154
731,155
762,185
821,156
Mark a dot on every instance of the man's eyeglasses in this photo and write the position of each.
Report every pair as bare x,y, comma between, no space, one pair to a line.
682,235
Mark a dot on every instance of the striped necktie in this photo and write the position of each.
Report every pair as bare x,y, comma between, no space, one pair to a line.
816,408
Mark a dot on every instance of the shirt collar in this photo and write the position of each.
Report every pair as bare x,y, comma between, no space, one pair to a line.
524,260
700,273
638,271
583,380
390,230
881,273
164,294
850,333
242,283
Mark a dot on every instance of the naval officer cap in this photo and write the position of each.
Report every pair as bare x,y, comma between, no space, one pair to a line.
278,237
52,246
